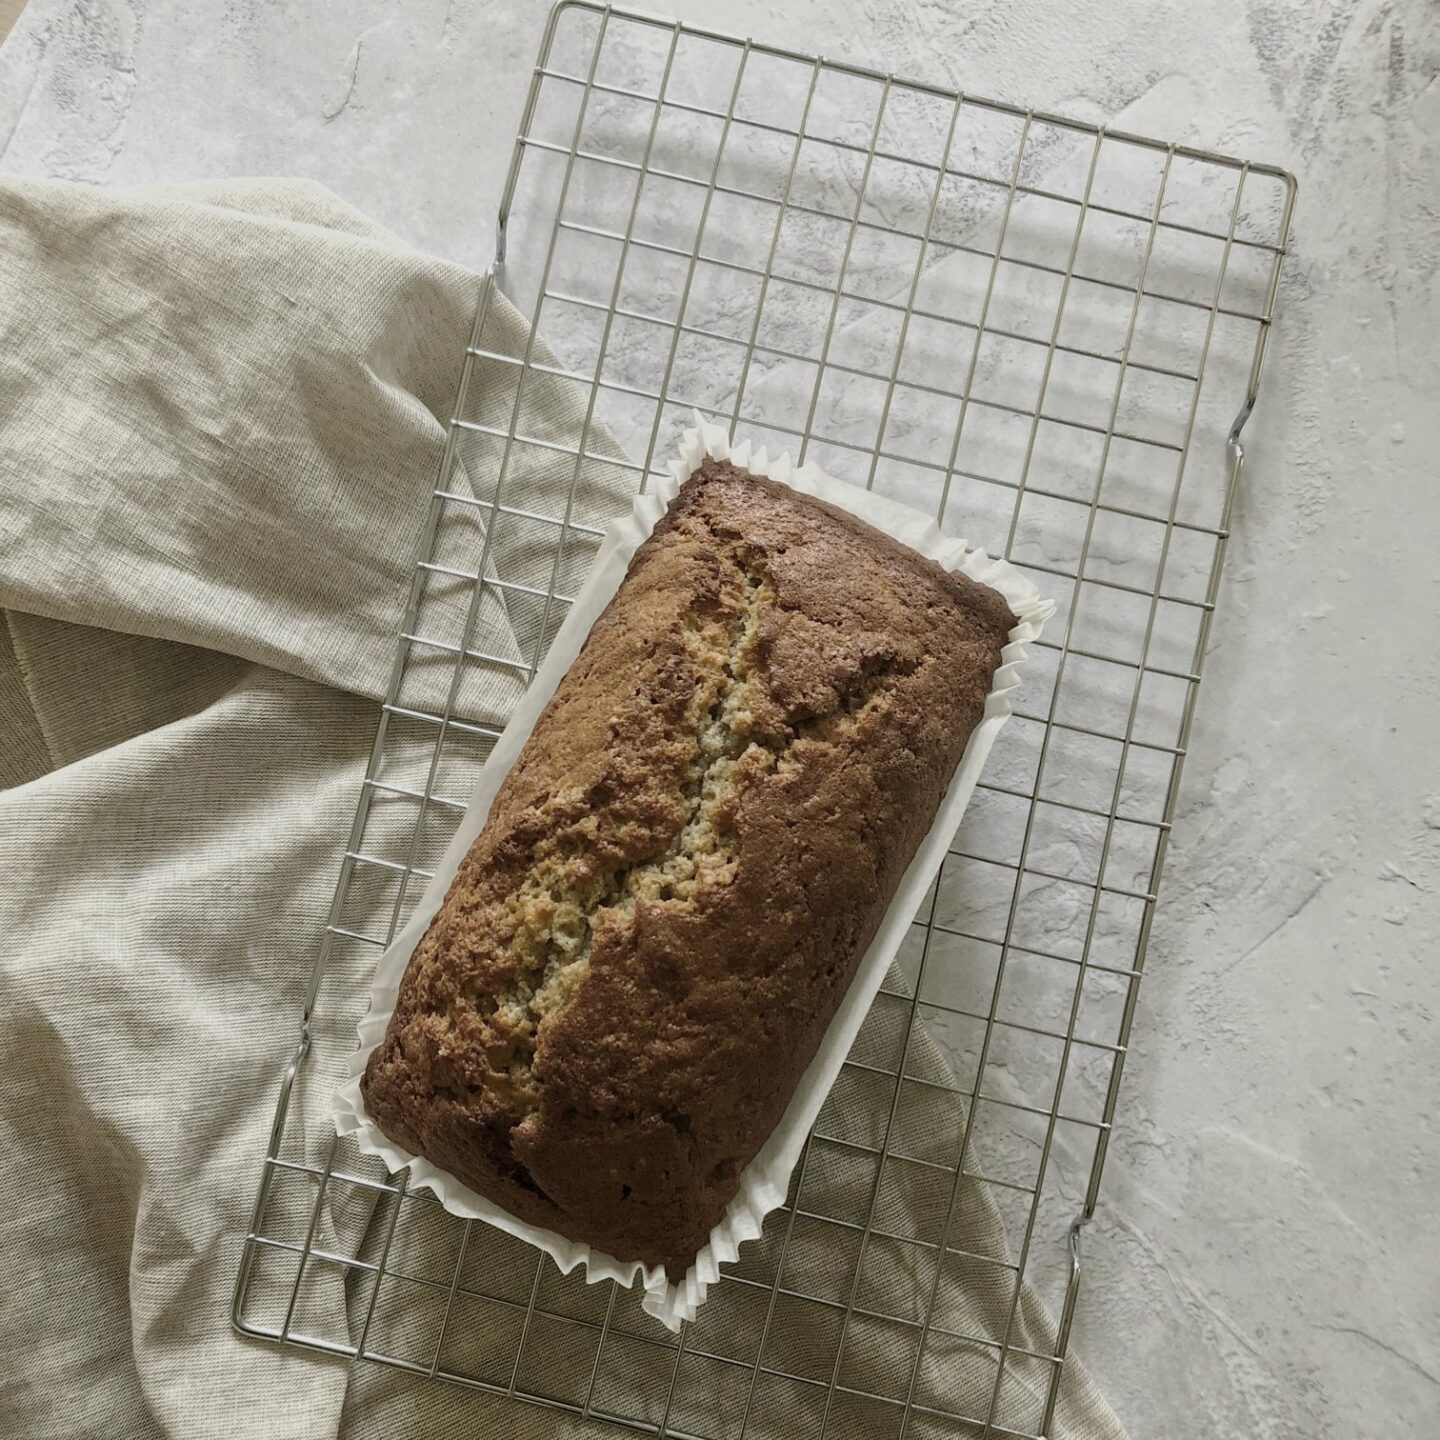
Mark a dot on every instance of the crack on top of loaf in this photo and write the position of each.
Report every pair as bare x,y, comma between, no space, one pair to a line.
554,911
703,847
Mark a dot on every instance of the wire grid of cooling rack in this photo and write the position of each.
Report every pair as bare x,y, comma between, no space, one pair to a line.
1049,335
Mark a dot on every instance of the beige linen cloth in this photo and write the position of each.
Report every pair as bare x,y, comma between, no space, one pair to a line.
221,411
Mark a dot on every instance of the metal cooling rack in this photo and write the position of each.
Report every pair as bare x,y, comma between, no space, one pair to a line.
1047,333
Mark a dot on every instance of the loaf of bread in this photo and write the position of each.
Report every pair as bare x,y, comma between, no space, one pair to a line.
675,884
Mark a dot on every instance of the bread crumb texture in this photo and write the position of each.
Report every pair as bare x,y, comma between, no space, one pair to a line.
641,952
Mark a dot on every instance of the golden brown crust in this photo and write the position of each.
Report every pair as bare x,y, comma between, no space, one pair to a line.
643,949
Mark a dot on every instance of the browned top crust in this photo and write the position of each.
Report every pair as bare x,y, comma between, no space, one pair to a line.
644,947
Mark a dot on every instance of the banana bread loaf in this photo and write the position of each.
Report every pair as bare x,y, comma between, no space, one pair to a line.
677,880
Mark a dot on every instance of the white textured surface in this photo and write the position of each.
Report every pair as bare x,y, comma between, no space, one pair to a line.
1267,1260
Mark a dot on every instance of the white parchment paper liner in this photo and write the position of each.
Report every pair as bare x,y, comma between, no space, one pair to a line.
764,1182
